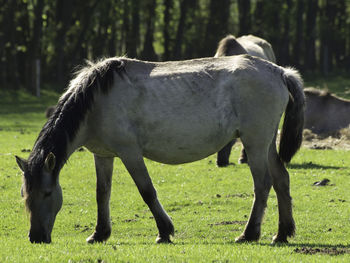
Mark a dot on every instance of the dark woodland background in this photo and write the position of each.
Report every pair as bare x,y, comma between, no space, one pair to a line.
312,35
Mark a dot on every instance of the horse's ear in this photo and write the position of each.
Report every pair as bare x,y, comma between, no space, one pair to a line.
50,162
22,163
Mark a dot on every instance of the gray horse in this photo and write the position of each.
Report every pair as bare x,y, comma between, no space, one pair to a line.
169,112
230,46
248,44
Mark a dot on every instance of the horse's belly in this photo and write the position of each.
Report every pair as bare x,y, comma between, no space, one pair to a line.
175,125
183,148
177,155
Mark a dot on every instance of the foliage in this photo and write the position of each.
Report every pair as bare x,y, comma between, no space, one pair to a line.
208,205
59,35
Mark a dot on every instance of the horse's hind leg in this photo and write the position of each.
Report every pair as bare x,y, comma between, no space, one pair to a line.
280,180
243,157
104,170
138,171
224,154
258,163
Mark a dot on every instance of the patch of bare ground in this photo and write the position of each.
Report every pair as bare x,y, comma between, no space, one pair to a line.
339,140
332,251
336,140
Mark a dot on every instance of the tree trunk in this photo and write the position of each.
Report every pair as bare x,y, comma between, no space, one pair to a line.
327,18
192,34
35,47
285,55
148,52
168,5
63,20
126,26
244,17
310,35
180,30
111,42
135,28
339,42
78,52
258,18
217,25
298,43
10,76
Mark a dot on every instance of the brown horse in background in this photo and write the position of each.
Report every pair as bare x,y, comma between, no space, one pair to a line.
325,113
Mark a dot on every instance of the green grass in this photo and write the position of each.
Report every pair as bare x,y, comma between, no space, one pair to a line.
198,196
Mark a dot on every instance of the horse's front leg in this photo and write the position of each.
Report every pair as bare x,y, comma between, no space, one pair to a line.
136,167
104,170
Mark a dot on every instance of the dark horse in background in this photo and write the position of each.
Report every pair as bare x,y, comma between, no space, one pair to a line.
230,46
325,113
173,113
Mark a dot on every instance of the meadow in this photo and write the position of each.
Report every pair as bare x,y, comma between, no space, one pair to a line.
208,205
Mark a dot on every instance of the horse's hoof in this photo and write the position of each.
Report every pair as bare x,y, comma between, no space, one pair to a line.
96,238
222,164
243,238
278,240
92,240
242,160
162,240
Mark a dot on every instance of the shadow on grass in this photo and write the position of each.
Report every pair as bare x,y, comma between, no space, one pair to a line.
303,248
311,165
310,245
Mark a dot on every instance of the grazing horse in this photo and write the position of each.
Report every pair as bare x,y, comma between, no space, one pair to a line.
230,46
173,113
325,113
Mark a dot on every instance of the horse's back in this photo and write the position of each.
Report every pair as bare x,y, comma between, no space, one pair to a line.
257,46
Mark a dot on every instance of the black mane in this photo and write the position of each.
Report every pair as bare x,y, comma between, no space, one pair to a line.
62,127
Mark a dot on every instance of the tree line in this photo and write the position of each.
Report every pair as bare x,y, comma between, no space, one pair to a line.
44,40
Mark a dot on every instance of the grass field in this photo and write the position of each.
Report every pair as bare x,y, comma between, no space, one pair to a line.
209,206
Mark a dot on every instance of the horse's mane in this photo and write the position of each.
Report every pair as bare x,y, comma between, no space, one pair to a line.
317,92
229,46
325,95
71,110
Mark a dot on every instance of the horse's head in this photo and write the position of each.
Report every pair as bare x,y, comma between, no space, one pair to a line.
42,194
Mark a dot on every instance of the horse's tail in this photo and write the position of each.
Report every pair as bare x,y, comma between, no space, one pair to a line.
292,130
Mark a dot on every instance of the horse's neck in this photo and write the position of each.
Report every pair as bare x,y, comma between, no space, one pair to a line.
72,144
78,141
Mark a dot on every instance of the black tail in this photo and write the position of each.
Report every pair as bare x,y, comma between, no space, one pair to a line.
292,130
